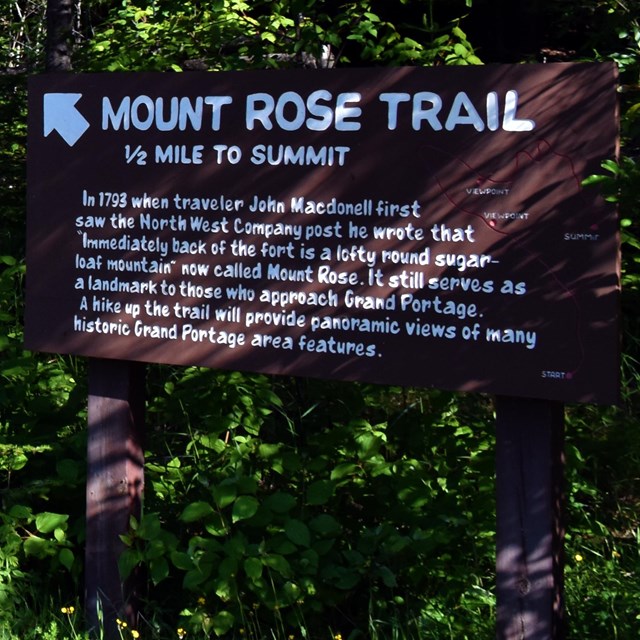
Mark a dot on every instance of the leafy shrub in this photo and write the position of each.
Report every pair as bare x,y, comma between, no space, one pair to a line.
266,518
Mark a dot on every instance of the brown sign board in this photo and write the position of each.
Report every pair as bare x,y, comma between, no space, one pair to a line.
410,226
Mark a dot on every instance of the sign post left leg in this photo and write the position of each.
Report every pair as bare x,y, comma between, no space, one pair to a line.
115,480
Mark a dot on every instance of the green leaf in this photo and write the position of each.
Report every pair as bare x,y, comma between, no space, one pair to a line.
155,549
322,547
267,451
298,532
309,560
280,502
244,507
159,569
388,577
149,527
253,568
344,578
458,33
291,591
343,470
225,588
460,50
277,563
235,547
196,511
182,560
46,522
325,525
38,547
320,492
284,546
353,557
222,622
20,512
246,484
66,558
193,579
594,179
129,559
224,494
216,525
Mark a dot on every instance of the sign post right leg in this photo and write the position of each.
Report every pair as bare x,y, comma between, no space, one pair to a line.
529,477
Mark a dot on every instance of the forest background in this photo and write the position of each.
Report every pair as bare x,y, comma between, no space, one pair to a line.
285,507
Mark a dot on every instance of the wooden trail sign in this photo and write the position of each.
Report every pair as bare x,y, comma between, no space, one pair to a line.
411,226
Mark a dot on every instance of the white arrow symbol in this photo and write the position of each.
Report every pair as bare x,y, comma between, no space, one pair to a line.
60,114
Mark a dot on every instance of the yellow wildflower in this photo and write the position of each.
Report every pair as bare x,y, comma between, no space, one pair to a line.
134,633
201,601
578,557
67,610
181,633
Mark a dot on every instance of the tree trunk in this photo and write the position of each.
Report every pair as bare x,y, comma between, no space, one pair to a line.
59,35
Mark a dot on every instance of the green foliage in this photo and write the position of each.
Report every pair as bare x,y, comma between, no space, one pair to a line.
22,33
233,34
267,526
30,543
13,133
602,559
41,412
621,182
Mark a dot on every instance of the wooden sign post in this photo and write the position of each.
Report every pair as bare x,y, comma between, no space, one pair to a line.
406,226
115,482
530,529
